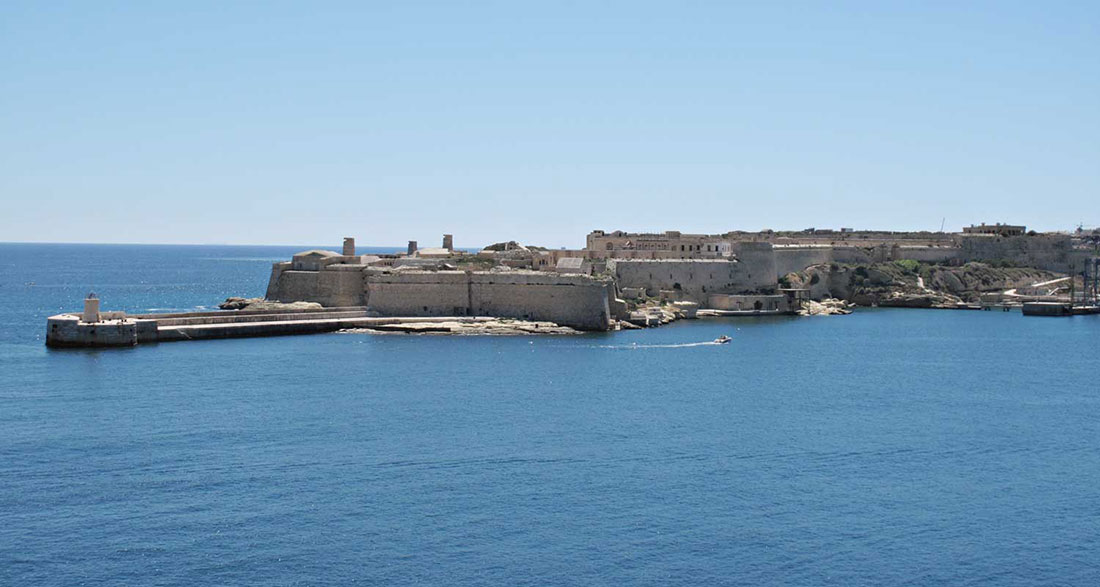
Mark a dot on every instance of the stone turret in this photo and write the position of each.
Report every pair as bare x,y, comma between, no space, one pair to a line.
91,309
349,246
449,242
412,248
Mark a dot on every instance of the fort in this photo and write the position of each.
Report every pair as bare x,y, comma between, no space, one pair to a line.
618,278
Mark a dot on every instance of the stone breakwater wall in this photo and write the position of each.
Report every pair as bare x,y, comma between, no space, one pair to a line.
70,331
577,301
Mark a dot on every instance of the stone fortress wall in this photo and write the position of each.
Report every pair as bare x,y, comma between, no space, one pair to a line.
577,301
1053,252
692,279
333,286
1049,252
752,270
794,251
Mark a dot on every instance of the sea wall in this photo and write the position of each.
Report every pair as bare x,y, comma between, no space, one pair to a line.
695,279
419,293
749,303
336,285
277,270
570,300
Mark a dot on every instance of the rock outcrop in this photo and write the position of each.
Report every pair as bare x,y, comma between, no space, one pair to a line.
653,313
911,284
234,303
826,307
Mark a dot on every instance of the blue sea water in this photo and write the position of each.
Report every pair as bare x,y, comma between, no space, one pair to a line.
886,447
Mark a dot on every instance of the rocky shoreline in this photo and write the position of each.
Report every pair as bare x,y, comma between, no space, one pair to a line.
826,307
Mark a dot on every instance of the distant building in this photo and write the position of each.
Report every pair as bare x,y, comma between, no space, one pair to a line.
672,242
997,229
313,260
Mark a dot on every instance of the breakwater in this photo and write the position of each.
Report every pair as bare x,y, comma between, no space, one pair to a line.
119,330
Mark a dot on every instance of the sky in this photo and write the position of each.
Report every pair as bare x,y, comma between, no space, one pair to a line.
289,123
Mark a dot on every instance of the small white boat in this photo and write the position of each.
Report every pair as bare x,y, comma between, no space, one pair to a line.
722,340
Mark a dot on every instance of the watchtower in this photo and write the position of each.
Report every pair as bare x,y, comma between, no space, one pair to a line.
91,309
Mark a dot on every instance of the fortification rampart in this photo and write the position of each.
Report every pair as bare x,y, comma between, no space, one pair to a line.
577,301
1051,252
791,259
794,251
946,255
695,279
335,285
570,300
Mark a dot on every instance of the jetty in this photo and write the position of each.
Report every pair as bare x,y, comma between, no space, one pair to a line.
1059,309
1076,304
92,328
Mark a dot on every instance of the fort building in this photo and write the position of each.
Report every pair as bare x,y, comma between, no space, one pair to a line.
996,229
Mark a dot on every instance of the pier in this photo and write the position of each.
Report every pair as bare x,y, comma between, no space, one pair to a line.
93,328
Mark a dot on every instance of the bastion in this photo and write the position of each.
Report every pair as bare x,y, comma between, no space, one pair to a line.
577,301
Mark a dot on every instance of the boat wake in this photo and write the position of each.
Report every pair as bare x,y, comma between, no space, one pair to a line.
685,345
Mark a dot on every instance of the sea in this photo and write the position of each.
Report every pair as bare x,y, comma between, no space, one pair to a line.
888,447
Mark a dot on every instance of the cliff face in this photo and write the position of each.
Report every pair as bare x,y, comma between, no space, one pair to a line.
912,284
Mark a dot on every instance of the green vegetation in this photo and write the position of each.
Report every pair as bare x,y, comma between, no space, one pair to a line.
926,272
475,263
908,265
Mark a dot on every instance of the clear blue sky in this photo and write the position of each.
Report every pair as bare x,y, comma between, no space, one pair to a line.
289,123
